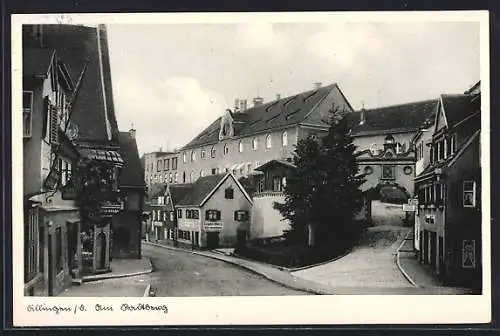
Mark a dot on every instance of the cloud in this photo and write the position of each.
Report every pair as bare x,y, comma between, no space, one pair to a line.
260,36
166,112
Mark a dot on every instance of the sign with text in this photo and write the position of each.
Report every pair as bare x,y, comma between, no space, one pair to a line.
213,226
409,207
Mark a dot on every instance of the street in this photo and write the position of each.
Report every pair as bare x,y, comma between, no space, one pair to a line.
178,273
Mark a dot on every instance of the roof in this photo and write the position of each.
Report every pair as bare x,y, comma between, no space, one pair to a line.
200,189
457,107
75,45
177,193
404,117
275,114
157,189
132,174
36,61
275,162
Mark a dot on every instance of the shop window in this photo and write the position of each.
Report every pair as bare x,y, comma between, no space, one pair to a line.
229,193
27,113
212,215
388,172
469,194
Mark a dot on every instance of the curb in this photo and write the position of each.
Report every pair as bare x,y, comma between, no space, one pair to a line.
398,263
147,291
90,278
249,268
317,264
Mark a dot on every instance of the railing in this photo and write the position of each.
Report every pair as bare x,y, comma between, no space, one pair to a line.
269,193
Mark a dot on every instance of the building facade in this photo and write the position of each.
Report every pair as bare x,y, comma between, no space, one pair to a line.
214,213
449,193
161,167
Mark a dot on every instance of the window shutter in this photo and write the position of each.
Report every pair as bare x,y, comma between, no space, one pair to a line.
218,215
46,114
54,119
207,216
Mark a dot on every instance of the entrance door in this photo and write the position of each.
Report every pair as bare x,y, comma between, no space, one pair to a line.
101,250
241,237
212,240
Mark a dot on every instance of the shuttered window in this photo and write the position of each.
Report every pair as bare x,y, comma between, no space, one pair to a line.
54,125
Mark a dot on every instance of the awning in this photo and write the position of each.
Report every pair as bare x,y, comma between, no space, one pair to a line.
110,156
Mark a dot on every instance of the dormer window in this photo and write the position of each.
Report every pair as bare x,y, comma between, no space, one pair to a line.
389,139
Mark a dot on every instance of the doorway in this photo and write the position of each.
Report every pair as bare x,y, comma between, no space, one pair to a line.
212,240
101,250
241,237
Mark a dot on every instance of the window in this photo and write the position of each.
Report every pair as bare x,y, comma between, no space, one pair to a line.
174,163
214,171
202,173
249,168
193,156
66,171
374,149
388,172
195,214
283,182
183,177
240,146
284,139
179,213
408,170
188,214
59,257
185,235
202,154
368,170
166,164
213,151
167,199
171,216
389,139
469,193
226,149
229,193
164,215
453,143
441,150
184,157
159,165
176,177
212,215
170,178
269,143
255,144
191,177
241,215
27,113
161,200
277,184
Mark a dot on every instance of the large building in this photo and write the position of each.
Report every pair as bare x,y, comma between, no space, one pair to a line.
448,222
161,167
70,137
241,140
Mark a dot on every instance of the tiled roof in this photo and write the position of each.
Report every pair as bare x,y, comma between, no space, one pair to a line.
178,192
272,115
36,61
410,116
200,189
75,45
274,162
457,107
132,173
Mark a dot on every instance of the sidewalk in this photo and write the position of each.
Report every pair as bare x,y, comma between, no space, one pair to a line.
137,286
421,276
121,268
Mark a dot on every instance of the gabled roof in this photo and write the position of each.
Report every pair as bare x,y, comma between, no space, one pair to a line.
132,174
179,191
404,117
36,61
457,107
276,114
75,45
203,188
275,162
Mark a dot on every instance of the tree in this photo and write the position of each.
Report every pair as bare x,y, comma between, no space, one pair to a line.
322,194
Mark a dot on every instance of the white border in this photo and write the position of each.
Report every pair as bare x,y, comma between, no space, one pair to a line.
352,309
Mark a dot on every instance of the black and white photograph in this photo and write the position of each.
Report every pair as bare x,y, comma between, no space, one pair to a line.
303,165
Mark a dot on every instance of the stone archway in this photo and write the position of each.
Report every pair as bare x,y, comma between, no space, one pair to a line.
384,204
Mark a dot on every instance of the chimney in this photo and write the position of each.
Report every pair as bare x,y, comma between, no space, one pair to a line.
243,105
278,96
362,116
161,149
258,101
236,105
132,133
317,85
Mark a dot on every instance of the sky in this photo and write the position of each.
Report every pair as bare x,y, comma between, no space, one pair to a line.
170,81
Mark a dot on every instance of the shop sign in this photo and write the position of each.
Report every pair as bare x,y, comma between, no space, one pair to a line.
213,226
468,253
